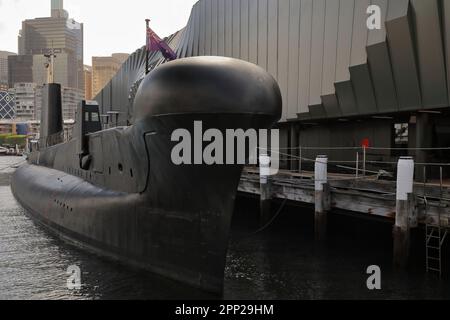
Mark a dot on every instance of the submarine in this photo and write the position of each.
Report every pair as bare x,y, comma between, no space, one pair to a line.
116,191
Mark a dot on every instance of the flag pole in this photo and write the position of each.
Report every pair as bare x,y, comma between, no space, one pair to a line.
147,23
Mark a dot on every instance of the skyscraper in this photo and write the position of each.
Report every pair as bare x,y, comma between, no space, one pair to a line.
88,82
25,101
104,69
4,69
58,33
58,9
7,102
27,72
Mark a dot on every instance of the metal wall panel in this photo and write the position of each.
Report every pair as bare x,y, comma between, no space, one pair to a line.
430,53
330,46
253,31
208,28
221,27
107,98
360,33
326,61
283,54
181,44
344,39
228,28
214,27
376,36
363,89
244,55
305,55
346,98
188,46
272,57
196,11
331,104
202,35
446,28
397,9
317,111
382,77
262,33
236,29
317,45
293,69
403,60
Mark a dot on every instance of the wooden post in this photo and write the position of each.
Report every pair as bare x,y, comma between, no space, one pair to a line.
322,197
266,195
300,161
357,165
424,134
364,160
405,211
294,148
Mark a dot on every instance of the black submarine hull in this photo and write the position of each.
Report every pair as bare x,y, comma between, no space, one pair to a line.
133,203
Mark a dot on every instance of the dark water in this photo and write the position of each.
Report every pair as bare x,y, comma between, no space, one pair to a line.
283,262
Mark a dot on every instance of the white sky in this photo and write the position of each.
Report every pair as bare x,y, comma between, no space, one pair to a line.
110,26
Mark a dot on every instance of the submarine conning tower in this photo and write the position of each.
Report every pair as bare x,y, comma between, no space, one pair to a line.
208,84
51,115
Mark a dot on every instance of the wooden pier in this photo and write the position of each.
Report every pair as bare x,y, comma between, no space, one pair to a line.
368,196
428,204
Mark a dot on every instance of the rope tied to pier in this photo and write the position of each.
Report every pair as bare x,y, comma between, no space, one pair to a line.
268,224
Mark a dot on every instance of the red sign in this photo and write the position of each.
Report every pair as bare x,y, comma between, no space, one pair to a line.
365,143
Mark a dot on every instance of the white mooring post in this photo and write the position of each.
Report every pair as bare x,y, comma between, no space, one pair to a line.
322,196
266,196
405,211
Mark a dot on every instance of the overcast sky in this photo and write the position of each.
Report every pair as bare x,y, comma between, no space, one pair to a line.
109,25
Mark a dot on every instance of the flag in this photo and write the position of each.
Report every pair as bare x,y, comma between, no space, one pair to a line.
152,40
155,43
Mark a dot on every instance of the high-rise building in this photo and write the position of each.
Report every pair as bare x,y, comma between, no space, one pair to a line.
88,82
4,69
120,57
40,36
58,9
104,69
20,69
71,97
25,101
7,110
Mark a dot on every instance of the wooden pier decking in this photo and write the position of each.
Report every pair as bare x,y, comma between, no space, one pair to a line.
406,203
363,195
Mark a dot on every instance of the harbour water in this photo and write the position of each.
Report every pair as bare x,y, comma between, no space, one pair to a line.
282,262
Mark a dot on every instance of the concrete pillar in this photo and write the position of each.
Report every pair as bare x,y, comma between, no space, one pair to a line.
423,140
322,197
294,148
404,218
266,195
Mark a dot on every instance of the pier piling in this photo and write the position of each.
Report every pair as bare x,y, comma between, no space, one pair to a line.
266,196
322,197
405,211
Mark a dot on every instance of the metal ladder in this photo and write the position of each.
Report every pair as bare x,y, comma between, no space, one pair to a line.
435,238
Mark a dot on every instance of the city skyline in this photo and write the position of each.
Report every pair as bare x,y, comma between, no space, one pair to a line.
102,37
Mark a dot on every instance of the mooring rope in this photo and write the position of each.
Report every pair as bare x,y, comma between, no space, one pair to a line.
268,224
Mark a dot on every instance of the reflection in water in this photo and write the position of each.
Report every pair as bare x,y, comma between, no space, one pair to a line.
281,263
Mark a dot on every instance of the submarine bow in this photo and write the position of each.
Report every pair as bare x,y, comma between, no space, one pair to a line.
130,201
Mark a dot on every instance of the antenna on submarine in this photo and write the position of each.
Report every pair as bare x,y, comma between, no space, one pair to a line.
50,65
